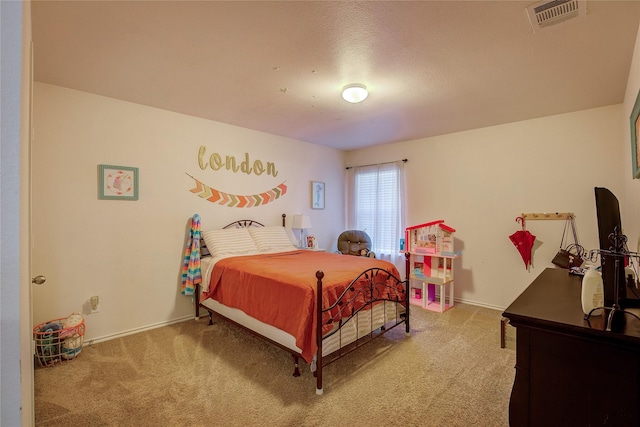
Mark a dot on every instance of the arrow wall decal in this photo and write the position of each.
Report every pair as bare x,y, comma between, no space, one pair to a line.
234,200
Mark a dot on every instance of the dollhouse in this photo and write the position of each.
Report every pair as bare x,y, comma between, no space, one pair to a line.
431,249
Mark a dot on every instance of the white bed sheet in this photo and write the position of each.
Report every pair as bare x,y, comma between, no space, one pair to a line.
363,323
239,316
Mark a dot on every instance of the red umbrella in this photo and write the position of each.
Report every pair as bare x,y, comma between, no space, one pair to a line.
523,241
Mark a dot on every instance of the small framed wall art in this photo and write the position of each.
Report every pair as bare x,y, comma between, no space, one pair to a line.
317,195
635,138
117,182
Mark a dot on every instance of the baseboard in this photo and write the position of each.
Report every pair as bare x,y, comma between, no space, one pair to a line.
182,319
480,304
137,330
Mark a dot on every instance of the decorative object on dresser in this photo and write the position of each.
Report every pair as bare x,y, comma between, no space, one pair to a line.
430,264
326,317
620,292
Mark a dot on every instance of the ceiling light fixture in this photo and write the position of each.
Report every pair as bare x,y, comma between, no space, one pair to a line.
354,93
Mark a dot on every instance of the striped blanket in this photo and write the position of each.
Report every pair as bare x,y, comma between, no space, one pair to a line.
191,274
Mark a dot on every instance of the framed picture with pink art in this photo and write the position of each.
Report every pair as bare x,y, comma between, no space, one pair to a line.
117,182
635,137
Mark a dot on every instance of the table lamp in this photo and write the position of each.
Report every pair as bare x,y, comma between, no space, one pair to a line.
301,222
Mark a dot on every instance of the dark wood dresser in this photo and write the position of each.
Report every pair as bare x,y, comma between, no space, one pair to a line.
570,372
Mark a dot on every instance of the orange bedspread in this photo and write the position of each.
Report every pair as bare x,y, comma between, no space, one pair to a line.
280,289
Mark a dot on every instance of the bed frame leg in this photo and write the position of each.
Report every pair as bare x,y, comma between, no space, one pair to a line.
318,372
407,292
210,318
407,326
296,369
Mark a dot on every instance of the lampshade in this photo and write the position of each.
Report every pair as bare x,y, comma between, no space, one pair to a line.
354,93
302,222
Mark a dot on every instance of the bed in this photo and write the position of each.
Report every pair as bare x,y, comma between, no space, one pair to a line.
318,306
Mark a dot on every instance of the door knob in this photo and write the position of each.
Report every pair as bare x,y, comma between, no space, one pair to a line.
39,280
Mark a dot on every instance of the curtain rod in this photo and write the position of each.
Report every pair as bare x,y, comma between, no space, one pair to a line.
375,164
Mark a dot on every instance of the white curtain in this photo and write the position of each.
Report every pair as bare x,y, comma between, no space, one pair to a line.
376,204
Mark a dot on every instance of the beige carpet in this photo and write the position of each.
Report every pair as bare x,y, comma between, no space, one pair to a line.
451,371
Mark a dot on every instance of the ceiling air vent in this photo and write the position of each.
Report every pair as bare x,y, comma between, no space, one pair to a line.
548,13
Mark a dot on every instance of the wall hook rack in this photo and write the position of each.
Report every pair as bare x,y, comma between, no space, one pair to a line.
547,215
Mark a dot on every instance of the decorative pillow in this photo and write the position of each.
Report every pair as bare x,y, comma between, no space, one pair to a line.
229,241
271,238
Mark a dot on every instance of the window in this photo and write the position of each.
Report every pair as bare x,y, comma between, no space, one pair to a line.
376,205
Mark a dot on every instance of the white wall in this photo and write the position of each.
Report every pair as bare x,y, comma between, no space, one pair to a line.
130,252
479,181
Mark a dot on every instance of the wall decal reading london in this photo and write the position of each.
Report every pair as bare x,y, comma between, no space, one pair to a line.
230,163
236,200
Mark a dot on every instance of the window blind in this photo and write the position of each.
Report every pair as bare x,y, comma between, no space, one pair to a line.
377,206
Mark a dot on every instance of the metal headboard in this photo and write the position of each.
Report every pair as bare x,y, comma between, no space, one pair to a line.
246,223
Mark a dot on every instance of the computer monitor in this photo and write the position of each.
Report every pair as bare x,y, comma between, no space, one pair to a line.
610,225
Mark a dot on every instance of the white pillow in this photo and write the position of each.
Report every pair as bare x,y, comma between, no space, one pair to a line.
229,241
271,238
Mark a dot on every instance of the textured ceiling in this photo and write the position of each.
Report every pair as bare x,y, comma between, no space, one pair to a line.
432,67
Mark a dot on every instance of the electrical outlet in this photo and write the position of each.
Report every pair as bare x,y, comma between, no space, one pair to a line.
94,304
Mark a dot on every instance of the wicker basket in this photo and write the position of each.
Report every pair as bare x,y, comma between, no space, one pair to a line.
55,342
